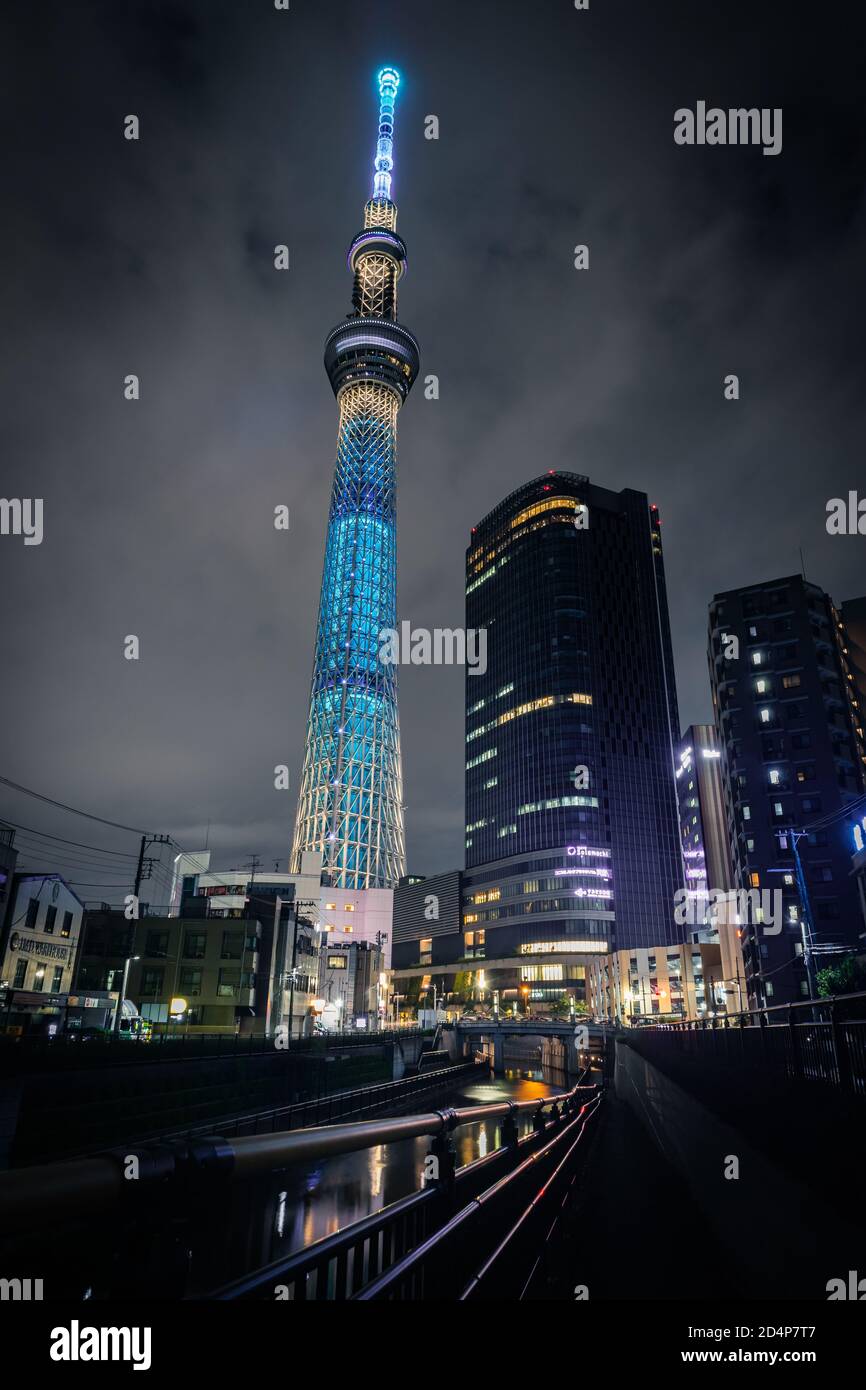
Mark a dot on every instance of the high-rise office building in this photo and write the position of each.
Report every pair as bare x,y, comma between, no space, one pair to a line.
706,850
854,623
707,856
350,805
572,834
791,737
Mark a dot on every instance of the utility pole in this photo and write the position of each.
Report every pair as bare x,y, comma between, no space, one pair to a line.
253,863
139,872
807,933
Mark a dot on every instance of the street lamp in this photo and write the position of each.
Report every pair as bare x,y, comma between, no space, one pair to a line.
119,1010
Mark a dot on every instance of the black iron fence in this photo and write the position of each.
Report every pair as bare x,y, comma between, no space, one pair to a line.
86,1227
816,1041
19,1056
332,1109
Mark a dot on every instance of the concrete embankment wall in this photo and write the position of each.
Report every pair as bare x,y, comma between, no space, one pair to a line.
785,1230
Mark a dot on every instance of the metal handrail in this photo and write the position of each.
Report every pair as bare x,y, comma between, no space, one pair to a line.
822,1002
261,1153
37,1196
464,1219
381,1231
330,1105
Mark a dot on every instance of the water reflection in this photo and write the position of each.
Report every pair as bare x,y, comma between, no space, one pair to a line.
277,1215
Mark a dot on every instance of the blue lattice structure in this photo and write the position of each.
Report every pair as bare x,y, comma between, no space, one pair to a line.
351,799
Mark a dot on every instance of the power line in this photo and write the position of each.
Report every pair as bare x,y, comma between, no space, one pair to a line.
27,791
28,830
835,815
30,844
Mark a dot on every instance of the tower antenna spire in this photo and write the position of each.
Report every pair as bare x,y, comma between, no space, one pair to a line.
389,81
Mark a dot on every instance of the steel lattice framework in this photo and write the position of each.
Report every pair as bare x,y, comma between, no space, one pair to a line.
351,799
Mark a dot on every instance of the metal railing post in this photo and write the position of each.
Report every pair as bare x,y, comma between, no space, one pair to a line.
841,1052
444,1157
510,1130
796,1056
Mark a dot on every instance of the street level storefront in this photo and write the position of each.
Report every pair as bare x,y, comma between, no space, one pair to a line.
27,1012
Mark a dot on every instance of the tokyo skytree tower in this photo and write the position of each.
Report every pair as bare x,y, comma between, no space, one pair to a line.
350,804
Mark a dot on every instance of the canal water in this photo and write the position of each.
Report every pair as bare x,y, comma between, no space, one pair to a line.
273,1217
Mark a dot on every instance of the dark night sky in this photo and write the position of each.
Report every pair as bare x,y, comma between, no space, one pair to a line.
156,258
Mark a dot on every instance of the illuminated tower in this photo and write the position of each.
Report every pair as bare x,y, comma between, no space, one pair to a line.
351,802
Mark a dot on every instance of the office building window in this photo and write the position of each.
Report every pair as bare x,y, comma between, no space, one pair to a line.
190,980
66,929
195,945
50,919
58,979
32,914
20,973
39,978
233,945
151,981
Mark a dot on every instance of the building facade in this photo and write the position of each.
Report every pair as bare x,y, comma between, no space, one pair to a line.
791,738
854,624
197,973
38,951
572,828
288,908
572,832
706,853
352,986
350,807
669,984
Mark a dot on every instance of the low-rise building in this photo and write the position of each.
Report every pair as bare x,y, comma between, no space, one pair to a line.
351,985
38,952
663,984
196,972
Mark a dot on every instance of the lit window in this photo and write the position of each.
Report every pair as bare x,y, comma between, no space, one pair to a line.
765,715
756,658
349,907
775,777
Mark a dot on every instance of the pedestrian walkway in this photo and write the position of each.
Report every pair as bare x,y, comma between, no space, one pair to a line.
633,1231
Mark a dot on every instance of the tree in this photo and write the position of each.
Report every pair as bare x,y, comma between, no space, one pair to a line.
848,976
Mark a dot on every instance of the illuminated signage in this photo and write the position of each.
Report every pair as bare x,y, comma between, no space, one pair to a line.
33,946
